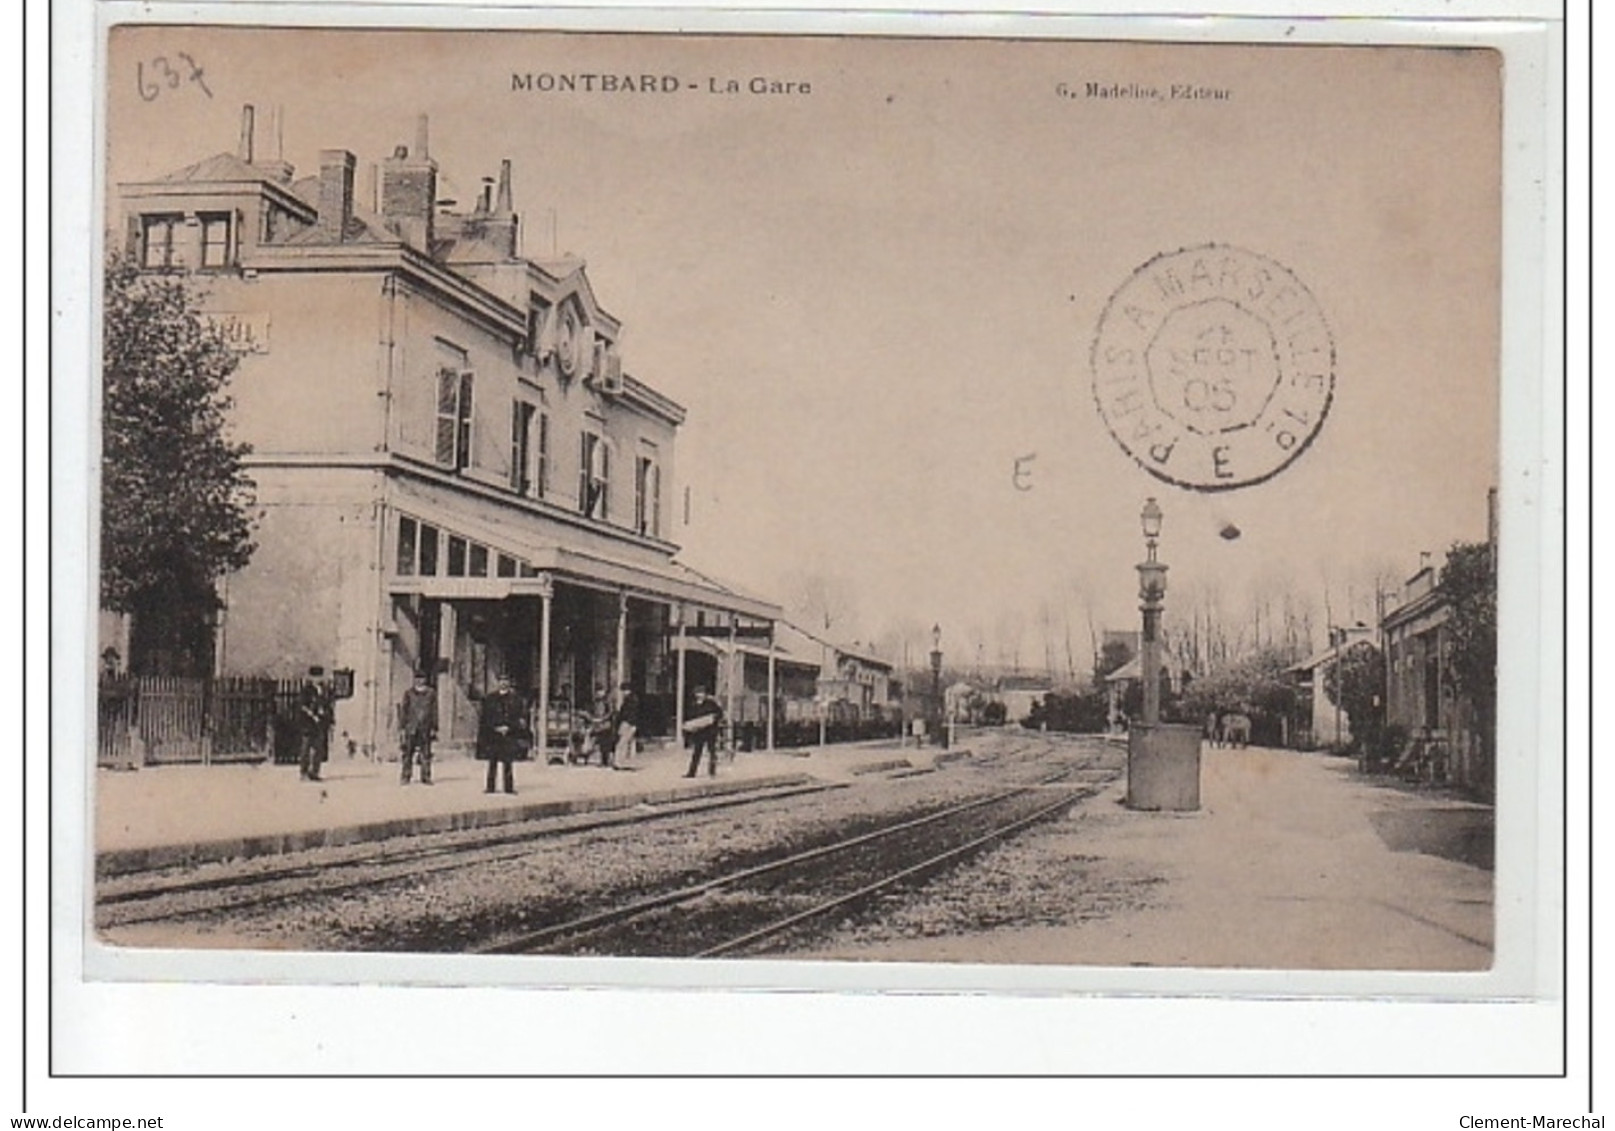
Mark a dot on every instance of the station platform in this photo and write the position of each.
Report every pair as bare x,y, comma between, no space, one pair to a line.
1293,861
163,816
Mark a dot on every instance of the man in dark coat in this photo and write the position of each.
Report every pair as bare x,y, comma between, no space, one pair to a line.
315,717
702,726
503,737
417,727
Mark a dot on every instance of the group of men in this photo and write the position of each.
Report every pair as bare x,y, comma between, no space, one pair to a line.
611,731
504,734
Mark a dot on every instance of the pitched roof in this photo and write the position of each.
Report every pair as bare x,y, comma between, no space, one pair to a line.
363,226
1132,669
359,230
1323,656
219,167
855,652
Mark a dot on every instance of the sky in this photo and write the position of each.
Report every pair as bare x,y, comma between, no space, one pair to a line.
877,299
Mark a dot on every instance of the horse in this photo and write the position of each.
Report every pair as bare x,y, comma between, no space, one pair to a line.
1236,730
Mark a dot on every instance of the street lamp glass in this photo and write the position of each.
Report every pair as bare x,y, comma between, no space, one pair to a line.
1151,581
1151,519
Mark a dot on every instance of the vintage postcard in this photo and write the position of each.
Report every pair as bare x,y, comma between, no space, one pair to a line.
842,510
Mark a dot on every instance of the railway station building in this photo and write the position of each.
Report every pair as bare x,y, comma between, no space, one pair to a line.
455,472
814,680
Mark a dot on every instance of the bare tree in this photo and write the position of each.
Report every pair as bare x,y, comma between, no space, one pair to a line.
823,602
1297,611
902,640
1081,597
977,636
1010,628
1070,656
1045,620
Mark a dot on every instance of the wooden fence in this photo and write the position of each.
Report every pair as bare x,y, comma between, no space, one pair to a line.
154,720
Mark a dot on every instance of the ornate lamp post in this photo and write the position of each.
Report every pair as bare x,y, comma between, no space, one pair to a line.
936,684
1152,592
1163,761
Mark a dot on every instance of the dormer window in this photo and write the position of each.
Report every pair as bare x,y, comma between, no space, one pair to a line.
159,243
537,316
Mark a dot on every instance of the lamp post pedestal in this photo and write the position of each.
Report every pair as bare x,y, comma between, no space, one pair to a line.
1163,767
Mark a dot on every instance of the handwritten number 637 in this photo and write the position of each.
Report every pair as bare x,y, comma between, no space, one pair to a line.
165,76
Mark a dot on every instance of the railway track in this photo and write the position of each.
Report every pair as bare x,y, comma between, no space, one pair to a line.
870,850
222,888
749,907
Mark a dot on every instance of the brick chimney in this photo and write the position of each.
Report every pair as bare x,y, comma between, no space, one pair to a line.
500,227
409,191
336,193
247,126
272,168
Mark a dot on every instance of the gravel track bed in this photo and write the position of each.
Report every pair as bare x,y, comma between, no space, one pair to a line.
715,917
568,874
236,885
1034,880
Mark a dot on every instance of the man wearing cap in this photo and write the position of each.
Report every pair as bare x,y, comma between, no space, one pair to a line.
417,726
315,715
702,727
503,736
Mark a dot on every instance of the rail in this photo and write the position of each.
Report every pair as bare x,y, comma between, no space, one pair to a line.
141,898
559,934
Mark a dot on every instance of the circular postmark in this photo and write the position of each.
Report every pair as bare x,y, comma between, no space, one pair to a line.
1213,367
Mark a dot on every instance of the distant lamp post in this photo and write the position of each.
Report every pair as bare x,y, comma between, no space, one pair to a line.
936,683
1152,592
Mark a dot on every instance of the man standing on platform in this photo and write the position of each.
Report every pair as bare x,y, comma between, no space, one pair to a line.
417,727
503,737
702,727
315,716
627,725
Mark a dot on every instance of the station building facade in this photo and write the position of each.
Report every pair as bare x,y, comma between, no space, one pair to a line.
1421,696
807,679
454,471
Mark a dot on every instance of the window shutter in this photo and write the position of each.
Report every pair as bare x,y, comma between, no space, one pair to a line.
584,459
516,452
447,415
655,500
543,454
641,488
131,237
462,455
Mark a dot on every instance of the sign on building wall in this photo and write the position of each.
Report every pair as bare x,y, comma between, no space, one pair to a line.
245,333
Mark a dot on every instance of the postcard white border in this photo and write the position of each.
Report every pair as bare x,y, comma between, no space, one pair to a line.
339,994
